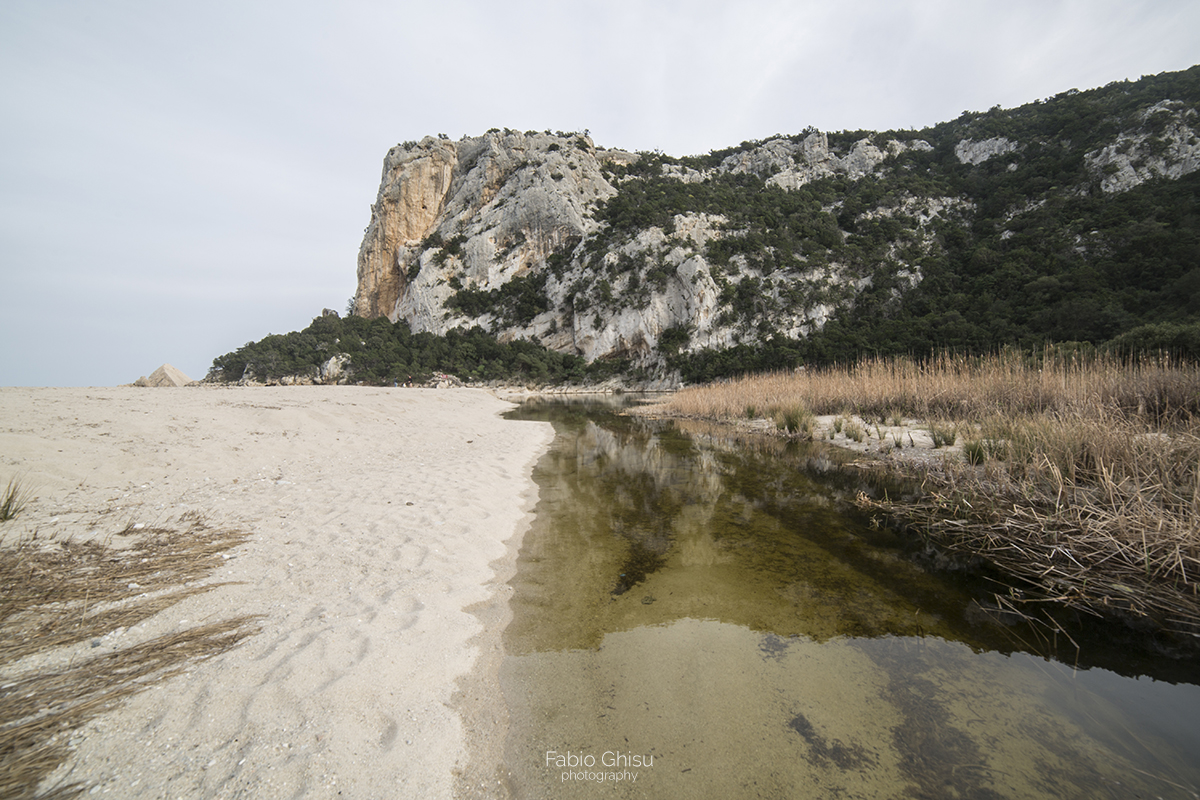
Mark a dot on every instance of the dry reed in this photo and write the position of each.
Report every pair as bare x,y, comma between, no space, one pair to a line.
1115,538
1084,479
60,593
959,387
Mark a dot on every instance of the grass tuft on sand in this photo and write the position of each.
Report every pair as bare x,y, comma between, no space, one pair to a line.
14,500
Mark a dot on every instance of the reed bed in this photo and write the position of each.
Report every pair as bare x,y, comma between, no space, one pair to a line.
60,593
959,387
1113,538
1080,478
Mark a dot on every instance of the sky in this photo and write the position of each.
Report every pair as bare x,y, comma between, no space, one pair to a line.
180,178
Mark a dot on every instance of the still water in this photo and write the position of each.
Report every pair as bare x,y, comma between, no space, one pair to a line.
695,616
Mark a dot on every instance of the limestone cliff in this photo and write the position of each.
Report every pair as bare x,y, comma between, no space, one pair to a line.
467,219
409,206
1165,145
482,210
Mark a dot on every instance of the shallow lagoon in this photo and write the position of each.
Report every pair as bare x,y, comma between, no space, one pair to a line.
699,616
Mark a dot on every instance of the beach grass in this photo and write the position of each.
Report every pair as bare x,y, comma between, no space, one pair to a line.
13,502
62,593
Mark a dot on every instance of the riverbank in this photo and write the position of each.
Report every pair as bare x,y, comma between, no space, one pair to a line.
903,442
1078,477
373,519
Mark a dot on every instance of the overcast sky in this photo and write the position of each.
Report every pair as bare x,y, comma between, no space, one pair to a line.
180,178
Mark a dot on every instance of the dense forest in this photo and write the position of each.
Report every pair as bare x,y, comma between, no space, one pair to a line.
1122,272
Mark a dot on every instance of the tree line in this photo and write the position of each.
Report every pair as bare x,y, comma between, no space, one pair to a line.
383,353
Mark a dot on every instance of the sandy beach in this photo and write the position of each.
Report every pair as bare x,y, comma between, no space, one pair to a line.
380,521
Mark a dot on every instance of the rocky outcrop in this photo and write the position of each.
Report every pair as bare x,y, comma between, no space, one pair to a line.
334,370
977,152
1165,146
480,211
790,163
164,376
470,218
688,295
410,204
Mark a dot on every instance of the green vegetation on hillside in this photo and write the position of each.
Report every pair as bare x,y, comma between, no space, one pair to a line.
383,353
1031,252
515,303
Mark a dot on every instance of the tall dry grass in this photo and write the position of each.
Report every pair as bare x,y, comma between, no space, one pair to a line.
960,387
1084,479
1121,534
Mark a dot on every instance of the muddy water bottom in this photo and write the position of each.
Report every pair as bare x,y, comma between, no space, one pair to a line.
719,710
700,617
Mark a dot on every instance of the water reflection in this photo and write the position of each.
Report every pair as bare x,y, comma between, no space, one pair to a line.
721,606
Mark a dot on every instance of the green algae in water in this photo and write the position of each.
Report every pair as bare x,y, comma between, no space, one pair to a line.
721,608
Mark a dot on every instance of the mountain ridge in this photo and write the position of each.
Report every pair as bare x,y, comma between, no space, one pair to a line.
651,259
1070,219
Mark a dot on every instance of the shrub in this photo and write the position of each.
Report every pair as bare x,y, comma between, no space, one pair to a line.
382,353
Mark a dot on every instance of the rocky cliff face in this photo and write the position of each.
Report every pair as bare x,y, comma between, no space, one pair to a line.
469,218
1165,145
608,254
410,204
480,211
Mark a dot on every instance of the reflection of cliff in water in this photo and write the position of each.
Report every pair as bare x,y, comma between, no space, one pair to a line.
644,522
721,604
640,523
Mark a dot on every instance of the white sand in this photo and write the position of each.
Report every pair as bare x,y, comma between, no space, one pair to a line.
378,516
